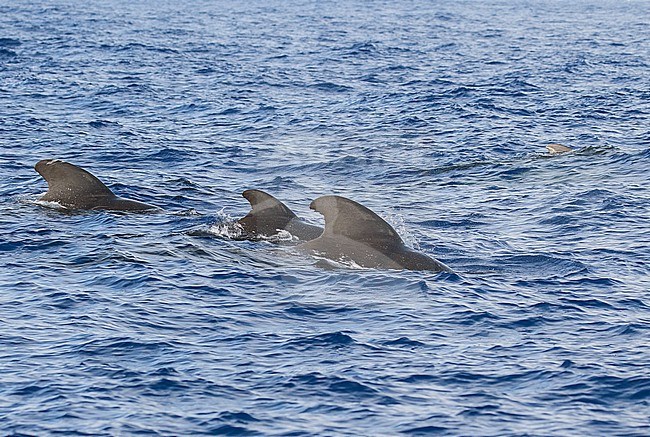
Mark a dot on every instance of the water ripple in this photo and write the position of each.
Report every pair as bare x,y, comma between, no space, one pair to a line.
434,116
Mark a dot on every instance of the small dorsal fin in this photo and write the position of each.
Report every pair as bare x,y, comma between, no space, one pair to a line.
350,219
264,203
67,182
267,214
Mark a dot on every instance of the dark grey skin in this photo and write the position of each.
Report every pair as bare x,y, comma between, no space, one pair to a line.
75,188
354,233
268,216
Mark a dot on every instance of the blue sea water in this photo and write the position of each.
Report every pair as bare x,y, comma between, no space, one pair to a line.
433,114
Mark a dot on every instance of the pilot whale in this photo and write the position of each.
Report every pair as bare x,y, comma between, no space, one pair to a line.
268,216
75,188
355,233
556,149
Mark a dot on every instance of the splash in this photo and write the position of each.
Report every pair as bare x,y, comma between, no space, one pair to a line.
396,220
47,204
226,227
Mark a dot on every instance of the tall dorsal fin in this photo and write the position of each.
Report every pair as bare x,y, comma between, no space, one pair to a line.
348,218
66,182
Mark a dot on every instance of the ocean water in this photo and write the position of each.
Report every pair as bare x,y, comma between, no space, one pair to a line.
433,114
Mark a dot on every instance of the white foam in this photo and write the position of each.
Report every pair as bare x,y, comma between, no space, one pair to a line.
231,230
282,236
187,212
52,205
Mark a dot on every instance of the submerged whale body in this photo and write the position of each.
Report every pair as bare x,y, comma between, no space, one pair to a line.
355,233
75,188
268,216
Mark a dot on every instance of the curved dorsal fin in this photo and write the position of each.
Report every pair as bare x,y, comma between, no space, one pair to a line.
267,214
352,220
66,182
264,203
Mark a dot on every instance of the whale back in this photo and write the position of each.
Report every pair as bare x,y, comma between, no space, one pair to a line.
556,149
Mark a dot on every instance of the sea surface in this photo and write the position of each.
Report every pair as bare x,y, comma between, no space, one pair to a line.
434,114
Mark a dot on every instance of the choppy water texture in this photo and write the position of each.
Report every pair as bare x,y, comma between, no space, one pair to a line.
433,114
